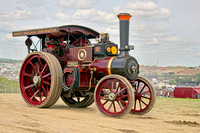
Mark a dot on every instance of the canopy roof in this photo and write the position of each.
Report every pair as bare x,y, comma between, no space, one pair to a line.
59,31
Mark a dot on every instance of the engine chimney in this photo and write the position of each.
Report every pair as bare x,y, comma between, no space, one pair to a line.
124,34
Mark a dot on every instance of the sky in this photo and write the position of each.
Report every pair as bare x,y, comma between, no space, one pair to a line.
163,32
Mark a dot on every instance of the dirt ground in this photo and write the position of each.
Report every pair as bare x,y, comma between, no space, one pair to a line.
168,115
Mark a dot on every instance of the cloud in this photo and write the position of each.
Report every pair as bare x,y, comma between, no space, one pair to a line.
16,15
139,5
32,3
6,26
173,39
61,16
186,50
142,29
145,10
84,14
91,15
8,38
94,16
78,4
112,30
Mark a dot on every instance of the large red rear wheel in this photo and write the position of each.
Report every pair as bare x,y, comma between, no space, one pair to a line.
111,92
144,96
40,79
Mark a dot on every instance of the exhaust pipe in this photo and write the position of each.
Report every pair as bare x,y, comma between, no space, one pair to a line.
124,34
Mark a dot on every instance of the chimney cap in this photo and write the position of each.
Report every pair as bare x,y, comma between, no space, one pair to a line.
124,16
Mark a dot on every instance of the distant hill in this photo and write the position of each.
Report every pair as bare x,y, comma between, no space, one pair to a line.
4,60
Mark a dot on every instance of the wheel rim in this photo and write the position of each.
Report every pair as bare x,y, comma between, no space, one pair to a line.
143,95
35,79
110,95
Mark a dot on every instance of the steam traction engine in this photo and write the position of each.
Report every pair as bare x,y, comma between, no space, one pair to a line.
82,73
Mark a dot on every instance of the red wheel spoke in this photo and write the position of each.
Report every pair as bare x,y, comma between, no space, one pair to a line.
34,94
145,92
37,67
138,86
146,97
118,87
140,104
34,89
29,86
47,88
114,106
44,89
40,63
45,82
121,90
46,75
135,104
45,66
27,74
133,85
102,97
105,92
112,85
33,66
142,88
110,107
108,87
135,89
41,95
120,105
122,101
143,102
122,96
105,101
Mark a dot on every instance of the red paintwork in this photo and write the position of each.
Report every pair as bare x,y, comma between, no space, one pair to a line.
72,55
69,80
187,92
101,65
67,70
89,56
84,78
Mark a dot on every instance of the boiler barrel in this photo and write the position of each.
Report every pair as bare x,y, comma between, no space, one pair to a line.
127,67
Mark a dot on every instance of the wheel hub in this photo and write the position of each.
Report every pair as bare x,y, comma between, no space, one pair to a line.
138,95
36,80
112,96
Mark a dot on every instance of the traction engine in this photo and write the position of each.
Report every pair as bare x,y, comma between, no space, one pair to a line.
69,66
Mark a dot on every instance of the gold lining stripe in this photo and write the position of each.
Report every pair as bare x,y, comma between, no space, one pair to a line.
109,65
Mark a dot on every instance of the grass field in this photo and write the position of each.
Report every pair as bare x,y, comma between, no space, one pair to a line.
8,86
178,105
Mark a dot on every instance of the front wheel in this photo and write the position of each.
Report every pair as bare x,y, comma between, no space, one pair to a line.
144,96
111,92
